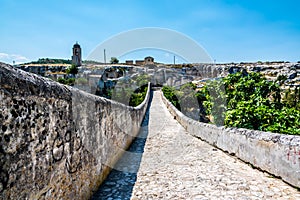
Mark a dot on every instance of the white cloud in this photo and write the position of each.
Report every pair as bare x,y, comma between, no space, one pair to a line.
4,56
19,57
9,58
167,55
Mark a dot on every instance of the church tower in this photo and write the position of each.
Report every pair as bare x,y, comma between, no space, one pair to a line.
76,58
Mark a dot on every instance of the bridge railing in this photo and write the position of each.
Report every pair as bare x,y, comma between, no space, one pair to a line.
277,154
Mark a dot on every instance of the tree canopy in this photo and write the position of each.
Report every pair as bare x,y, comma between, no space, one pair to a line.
73,69
114,60
246,101
253,102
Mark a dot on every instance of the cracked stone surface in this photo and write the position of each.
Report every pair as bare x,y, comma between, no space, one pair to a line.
176,165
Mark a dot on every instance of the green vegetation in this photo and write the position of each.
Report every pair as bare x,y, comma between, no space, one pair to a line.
73,69
61,61
215,103
130,97
124,93
130,92
51,61
68,81
138,96
255,103
250,102
114,60
91,62
171,94
187,100
291,98
141,80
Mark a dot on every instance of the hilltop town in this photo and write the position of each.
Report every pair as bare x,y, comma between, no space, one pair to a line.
95,77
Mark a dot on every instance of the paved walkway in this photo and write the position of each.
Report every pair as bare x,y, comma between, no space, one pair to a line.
176,165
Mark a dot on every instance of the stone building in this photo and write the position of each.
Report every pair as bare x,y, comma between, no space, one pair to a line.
129,62
149,60
76,57
139,62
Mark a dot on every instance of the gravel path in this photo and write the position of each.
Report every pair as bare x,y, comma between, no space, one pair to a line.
176,165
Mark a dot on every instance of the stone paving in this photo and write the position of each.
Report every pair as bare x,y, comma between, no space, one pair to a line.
176,165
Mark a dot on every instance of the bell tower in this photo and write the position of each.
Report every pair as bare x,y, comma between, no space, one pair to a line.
76,58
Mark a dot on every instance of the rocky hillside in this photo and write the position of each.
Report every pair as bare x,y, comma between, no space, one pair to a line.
271,70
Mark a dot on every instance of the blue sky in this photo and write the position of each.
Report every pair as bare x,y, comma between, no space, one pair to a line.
230,31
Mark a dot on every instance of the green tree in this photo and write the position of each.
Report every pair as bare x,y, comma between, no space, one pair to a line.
143,79
171,94
255,103
138,96
291,98
215,104
73,69
114,60
243,101
187,100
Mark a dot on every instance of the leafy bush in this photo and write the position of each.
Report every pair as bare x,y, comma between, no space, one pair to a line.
114,60
69,81
215,103
62,80
245,101
125,92
170,94
138,96
187,100
291,98
255,103
73,69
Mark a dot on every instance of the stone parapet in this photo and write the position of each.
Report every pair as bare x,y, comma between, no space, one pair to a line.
57,142
275,153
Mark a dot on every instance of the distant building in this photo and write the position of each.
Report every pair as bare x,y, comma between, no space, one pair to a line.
139,62
76,57
129,62
149,60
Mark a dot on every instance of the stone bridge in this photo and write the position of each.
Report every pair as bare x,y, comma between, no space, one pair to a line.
61,143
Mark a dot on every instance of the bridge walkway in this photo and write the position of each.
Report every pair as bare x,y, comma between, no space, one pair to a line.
176,165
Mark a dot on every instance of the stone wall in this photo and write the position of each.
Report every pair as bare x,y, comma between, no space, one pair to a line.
57,142
275,153
208,71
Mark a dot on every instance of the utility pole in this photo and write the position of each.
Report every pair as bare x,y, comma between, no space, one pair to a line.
104,57
174,60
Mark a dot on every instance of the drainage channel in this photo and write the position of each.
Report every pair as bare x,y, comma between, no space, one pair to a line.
120,182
